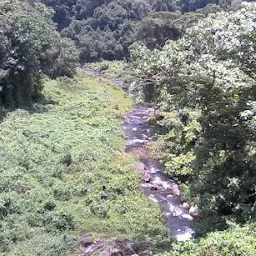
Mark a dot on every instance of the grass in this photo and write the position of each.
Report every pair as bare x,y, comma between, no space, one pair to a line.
64,173
113,68
120,69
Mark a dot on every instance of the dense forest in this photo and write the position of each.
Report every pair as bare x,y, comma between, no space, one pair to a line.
30,46
64,172
204,87
107,29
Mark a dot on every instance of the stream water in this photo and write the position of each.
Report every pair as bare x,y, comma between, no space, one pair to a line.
157,185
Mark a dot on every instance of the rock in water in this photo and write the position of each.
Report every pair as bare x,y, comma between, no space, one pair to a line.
193,211
175,190
147,176
154,188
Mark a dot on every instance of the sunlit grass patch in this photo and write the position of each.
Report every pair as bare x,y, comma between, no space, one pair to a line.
113,68
61,174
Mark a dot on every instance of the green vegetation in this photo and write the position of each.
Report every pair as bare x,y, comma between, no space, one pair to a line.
121,70
62,174
30,46
106,29
113,68
235,241
204,87
63,170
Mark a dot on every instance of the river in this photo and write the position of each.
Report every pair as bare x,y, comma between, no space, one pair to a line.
156,185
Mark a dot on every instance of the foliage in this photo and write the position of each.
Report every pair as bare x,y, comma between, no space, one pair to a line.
61,177
30,46
121,70
236,241
112,68
209,71
105,29
175,149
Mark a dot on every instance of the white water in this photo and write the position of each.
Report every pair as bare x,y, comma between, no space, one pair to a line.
161,188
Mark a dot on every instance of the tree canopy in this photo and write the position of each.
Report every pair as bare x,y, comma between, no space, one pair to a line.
205,86
105,29
30,47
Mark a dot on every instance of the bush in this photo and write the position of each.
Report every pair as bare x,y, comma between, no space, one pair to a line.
239,241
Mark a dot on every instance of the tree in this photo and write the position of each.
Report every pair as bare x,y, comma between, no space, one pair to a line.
31,47
152,18
210,71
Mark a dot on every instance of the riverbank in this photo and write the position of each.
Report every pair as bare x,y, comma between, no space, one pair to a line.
157,185
64,173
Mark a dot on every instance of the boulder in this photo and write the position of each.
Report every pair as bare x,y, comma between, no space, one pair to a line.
104,253
137,142
193,211
175,190
185,205
114,252
147,176
154,188
85,241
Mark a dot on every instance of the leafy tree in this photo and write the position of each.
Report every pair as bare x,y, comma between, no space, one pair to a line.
155,30
210,71
107,18
31,47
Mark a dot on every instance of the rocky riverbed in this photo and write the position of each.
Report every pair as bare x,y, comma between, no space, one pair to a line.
156,185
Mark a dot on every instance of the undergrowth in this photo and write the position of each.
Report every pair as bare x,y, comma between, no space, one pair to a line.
63,172
120,69
237,241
